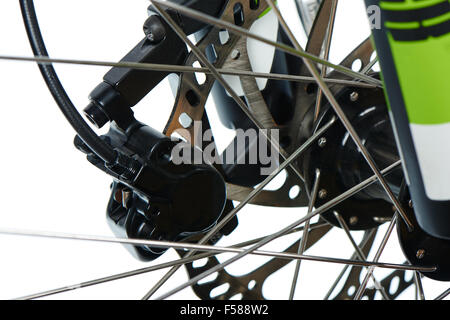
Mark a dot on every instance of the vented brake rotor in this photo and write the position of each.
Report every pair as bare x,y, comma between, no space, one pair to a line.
190,107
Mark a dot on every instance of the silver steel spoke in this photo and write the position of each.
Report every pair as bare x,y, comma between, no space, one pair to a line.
359,252
419,286
380,250
180,68
329,204
326,55
216,249
369,66
242,249
115,277
444,295
340,113
203,59
244,252
208,248
249,198
344,270
304,240
313,226
132,273
243,32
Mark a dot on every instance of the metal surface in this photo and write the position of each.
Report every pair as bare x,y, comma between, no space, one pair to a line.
304,240
377,257
342,116
232,59
242,31
257,277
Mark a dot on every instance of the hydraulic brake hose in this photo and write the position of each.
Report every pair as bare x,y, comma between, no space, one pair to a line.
89,137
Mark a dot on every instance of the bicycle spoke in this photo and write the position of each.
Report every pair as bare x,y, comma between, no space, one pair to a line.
243,32
267,240
217,249
344,270
304,240
202,57
320,210
369,66
313,226
115,277
342,116
359,252
444,295
326,55
308,102
210,248
132,273
249,198
380,250
419,286
181,69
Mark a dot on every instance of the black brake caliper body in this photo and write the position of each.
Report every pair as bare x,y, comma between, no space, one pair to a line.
152,197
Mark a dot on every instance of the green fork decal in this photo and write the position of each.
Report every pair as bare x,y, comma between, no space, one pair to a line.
419,37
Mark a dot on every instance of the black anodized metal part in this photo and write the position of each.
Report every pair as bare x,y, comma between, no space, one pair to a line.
342,166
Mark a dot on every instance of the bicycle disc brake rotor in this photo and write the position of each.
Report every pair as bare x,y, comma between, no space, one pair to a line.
190,106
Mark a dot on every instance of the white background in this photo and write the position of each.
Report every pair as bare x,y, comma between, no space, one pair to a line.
47,185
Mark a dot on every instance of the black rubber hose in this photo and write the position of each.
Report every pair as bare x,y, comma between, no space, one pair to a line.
97,145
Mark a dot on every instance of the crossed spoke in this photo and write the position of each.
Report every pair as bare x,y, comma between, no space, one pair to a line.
253,247
380,250
359,252
285,48
182,69
304,240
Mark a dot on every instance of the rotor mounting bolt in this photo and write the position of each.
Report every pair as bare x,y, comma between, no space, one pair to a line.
323,194
322,142
354,96
235,54
353,220
420,254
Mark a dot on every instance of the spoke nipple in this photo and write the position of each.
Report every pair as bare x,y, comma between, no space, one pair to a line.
323,194
410,203
354,96
322,142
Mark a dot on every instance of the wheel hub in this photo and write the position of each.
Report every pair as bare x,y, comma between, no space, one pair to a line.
342,166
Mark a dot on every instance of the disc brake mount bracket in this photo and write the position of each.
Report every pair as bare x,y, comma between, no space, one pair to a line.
122,88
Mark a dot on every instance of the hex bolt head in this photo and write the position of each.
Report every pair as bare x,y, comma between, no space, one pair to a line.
322,142
354,96
420,254
323,194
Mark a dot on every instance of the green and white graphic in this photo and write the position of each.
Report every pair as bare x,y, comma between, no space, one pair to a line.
419,36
